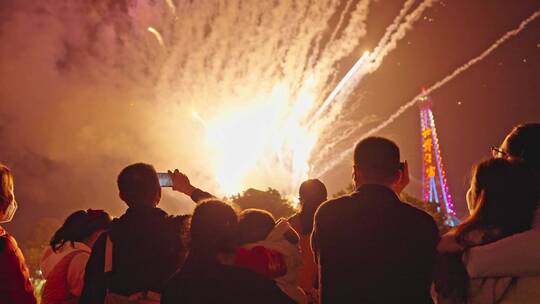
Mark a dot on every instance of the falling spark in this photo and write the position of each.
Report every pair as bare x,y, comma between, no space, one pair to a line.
396,33
171,6
437,85
199,119
339,87
157,35
392,28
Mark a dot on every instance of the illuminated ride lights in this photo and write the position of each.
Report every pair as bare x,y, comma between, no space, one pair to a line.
434,185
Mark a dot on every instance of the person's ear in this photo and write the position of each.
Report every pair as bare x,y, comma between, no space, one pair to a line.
158,197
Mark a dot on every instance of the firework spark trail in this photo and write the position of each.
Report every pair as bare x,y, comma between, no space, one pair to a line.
340,22
399,32
157,35
340,86
171,6
392,28
436,86
396,31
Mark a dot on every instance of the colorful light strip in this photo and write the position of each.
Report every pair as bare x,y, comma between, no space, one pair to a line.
435,187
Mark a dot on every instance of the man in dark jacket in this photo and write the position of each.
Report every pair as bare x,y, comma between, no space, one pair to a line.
371,247
147,243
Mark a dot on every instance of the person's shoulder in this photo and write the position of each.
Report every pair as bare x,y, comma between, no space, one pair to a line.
8,243
333,204
419,216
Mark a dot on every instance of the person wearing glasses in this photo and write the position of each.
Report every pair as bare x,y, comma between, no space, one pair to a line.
517,255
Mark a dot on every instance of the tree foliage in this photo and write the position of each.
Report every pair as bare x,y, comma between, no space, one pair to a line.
38,240
270,200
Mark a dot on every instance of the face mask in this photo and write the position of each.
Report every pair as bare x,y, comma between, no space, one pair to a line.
10,212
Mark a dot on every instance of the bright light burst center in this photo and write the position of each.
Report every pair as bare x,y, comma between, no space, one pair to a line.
274,135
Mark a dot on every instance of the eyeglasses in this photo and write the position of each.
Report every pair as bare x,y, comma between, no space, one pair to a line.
499,153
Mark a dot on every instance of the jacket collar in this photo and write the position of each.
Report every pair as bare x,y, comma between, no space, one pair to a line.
383,192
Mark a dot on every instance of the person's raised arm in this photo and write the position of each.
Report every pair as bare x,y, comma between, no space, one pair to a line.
514,256
182,184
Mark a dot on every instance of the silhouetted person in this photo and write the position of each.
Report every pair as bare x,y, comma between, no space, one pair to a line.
271,248
15,287
519,254
145,246
502,198
371,247
312,194
207,276
63,263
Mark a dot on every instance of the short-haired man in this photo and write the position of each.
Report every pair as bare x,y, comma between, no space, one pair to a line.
371,247
146,245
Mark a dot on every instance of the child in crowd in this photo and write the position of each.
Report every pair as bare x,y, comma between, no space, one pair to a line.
271,249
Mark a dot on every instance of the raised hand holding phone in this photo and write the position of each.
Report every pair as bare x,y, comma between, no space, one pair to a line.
180,182
165,179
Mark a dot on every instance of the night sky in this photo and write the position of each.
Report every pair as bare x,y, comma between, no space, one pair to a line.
472,113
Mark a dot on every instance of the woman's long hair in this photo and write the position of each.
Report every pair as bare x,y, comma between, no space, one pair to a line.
503,199
312,194
79,226
6,186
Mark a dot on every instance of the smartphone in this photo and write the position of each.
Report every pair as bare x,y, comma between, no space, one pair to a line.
165,180
401,166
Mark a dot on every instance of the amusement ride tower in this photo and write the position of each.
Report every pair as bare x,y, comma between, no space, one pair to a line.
434,185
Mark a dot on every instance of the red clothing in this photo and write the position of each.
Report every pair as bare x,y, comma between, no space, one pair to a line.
15,286
59,285
269,263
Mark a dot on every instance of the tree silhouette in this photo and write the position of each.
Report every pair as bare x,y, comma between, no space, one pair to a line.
39,239
269,200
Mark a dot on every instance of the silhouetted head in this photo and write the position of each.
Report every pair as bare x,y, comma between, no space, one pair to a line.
376,161
81,226
312,194
502,195
214,228
523,143
254,225
8,204
139,185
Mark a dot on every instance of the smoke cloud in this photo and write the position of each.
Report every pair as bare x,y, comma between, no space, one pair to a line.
86,89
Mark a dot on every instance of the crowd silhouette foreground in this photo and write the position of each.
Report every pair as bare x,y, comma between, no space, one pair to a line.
366,247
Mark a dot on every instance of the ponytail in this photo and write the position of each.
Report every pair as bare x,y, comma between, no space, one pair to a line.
79,226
